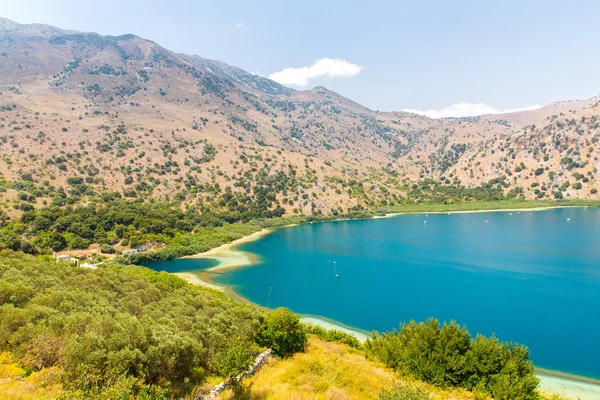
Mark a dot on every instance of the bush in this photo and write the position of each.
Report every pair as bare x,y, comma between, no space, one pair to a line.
403,392
333,335
449,356
235,358
107,249
282,332
75,180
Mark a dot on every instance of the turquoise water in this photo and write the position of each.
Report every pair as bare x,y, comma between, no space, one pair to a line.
531,277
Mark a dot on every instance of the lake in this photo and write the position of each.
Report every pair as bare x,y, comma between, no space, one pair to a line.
529,276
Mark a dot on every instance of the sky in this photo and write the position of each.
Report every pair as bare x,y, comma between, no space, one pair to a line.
439,58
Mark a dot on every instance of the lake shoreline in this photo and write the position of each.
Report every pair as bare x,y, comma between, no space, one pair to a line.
229,256
568,385
518,210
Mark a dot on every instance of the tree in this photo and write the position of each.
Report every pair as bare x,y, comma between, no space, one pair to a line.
448,356
283,332
235,358
107,249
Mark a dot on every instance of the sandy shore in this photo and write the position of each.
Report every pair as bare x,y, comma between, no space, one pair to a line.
566,387
503,210
228,256
475,211
518,210
194,279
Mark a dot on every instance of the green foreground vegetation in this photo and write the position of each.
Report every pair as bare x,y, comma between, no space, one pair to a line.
128,332
447,356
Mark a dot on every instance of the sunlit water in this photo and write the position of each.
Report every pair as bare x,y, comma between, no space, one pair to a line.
531,277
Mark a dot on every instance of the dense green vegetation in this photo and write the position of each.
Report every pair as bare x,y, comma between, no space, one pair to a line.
166,227
282,332
100,325
447,356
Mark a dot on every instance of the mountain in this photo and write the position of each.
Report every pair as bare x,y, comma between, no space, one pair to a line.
125,114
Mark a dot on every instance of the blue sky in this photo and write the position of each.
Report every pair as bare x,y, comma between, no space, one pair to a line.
424,55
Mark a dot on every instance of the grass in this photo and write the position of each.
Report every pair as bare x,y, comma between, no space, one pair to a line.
328,370
490,205
16,384
324,371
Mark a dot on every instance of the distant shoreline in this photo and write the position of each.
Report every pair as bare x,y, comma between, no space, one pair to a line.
390,215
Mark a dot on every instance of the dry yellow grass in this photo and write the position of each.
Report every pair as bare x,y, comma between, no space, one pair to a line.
15,385
329,371
324,371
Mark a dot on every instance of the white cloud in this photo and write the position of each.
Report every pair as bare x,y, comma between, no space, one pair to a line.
467,110
239,25
325,67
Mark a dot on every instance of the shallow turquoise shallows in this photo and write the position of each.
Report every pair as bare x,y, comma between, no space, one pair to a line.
531,277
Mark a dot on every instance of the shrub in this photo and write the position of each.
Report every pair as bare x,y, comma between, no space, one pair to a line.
283,332
107,249
448,356
332,335
403,392
235,358
75,180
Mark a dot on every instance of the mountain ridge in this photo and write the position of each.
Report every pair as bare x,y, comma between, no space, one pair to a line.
99,83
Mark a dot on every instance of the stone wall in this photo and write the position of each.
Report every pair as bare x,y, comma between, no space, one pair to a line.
221,387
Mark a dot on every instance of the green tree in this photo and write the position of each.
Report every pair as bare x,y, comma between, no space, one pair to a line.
283,332
448,356
235,358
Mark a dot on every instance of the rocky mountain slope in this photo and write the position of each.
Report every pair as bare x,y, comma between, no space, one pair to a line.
94,113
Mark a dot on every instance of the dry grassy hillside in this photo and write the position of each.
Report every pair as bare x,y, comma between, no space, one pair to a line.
124,114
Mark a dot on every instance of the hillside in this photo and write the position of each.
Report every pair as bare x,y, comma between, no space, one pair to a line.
124,114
